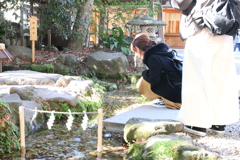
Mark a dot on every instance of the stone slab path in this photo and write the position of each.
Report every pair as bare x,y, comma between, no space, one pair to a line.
118,122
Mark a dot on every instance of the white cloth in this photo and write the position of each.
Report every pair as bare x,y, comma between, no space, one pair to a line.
210,90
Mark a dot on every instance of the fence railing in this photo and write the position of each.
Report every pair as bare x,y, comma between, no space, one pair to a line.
22,127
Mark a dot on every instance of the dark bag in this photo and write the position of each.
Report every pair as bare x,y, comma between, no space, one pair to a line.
177,62
222,17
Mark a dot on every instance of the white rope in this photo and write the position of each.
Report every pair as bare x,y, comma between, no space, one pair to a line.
41,111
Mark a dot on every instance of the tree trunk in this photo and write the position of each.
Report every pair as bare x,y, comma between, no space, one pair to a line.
84,15
160,17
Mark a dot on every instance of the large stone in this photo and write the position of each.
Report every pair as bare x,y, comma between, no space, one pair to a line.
65,80
33,120
139,129
193,152
137,63
108,64
44,94
20,52
13,101
66,64
61,68
165,143
27,77
69,60
81,87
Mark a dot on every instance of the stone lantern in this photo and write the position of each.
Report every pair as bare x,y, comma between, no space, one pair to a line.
148,25
4,54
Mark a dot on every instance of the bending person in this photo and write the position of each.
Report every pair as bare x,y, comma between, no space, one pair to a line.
161,80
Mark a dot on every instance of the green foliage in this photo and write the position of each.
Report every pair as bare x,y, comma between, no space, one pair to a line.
60,15
116,14
47,68
165,149
121,13
9,132
6,29
116,41
135,151
154,9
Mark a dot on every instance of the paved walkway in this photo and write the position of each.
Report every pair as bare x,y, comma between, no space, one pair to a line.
118,122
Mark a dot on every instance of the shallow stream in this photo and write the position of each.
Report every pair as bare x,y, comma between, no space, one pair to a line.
61,144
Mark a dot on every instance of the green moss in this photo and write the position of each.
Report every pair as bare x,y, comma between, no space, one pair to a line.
135,151
48,68
83,104
25,66
121,76
165,149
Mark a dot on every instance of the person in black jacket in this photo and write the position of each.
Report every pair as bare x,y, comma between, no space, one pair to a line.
161,80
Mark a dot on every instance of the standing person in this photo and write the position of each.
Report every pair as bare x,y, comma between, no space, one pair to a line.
209,87
161,80
237,42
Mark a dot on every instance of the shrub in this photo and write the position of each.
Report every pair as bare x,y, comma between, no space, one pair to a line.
9,132
116,41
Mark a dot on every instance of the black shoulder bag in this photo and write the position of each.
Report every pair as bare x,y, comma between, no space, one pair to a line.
222,17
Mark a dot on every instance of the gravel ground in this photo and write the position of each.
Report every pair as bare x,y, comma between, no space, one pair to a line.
226,145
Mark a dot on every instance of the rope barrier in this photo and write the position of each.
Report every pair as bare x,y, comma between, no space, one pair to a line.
41,111
22,126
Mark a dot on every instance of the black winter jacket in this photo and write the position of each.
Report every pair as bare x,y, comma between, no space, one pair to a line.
161,74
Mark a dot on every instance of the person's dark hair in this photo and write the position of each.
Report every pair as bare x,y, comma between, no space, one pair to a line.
142,41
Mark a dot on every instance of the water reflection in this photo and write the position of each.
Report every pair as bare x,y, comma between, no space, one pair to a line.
74,155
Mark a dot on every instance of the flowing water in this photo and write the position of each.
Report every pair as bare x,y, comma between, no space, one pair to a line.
61,144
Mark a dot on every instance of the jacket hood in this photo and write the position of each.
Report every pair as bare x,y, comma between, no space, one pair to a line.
161,49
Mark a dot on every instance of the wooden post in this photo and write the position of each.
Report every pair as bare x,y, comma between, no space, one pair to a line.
33,34
49,38
22,130
0,66
100,126
33,51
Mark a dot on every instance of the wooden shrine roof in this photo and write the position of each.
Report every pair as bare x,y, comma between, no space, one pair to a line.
4,54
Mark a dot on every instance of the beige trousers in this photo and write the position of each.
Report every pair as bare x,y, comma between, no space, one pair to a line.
209,86
145,88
